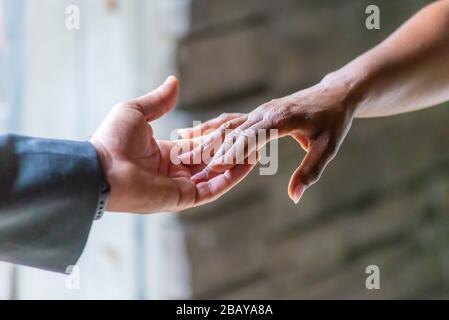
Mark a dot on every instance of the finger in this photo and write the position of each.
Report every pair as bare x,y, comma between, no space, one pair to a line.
227,143
211,142
206,127
236,152
159,101
187,193
174,148
199,153
321,152
212,189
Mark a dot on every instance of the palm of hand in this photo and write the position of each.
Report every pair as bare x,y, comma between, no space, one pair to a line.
139,168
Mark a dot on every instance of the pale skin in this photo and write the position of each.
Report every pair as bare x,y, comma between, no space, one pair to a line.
407,72
140,172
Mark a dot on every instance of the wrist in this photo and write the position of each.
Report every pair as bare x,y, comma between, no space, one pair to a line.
361,76
353,88
105,163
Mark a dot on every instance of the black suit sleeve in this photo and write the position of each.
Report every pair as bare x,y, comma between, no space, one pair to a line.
49,192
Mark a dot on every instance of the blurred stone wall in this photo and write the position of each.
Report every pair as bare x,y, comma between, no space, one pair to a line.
385,198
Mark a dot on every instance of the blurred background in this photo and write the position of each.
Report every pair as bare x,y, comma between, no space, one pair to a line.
383,201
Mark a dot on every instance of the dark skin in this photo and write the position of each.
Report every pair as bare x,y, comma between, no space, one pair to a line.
407,72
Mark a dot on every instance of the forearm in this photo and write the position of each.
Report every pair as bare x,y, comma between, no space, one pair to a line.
408,71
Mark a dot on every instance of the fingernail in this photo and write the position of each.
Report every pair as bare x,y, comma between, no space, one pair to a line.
170,78
297,194
182,130
200,175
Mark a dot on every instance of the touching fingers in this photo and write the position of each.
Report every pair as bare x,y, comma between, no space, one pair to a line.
215,187
239,146
216,164
211,142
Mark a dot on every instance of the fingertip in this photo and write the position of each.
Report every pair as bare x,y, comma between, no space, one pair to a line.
183,130
297,193
171,79
170,87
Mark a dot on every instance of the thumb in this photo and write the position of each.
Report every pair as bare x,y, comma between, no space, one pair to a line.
159,101
320,153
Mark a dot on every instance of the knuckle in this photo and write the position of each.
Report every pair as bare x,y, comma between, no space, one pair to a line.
130,105
272,116
331,147
235,133
249,133
225,125
310,176
284,115
206,142
261,109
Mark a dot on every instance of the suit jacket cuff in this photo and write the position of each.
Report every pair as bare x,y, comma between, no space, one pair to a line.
48,199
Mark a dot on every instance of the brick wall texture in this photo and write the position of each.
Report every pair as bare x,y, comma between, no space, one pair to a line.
385,198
